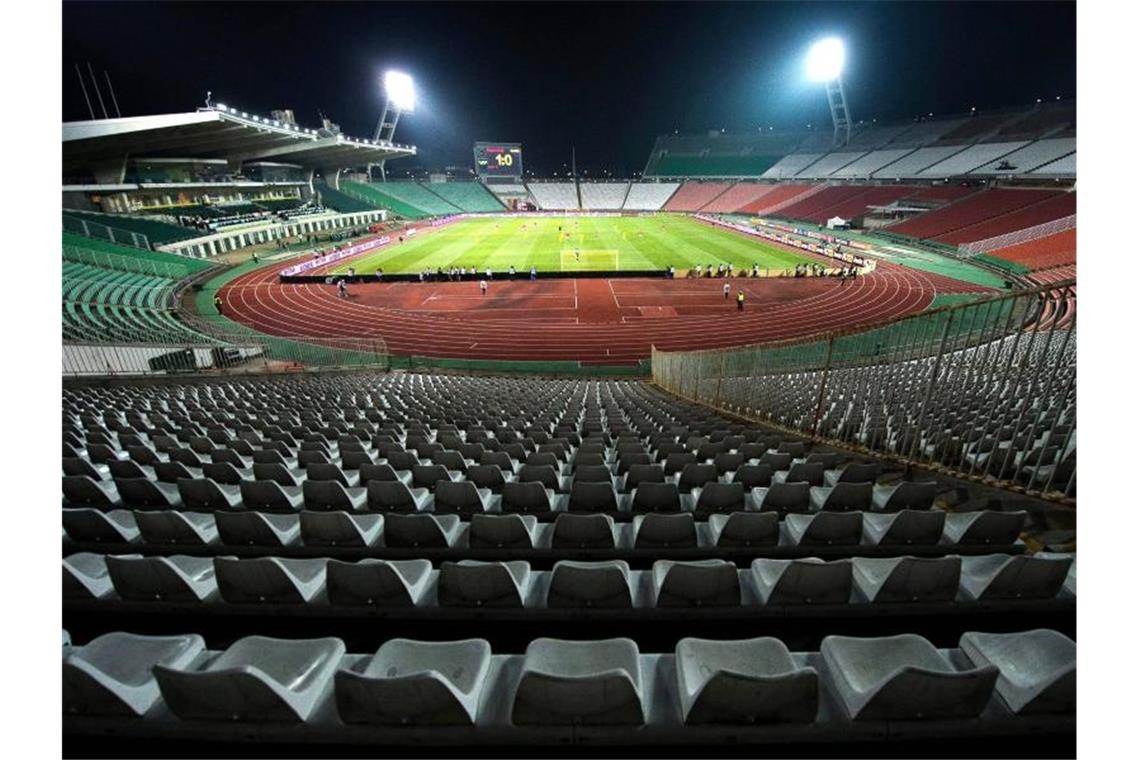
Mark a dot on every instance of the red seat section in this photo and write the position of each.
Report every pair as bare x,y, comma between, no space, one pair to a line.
737,196
857,205
943,193
1044,252
692,195
780,196
815,207
971,210
1046,211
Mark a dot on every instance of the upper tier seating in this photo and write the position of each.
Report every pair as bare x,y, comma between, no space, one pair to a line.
1043,121
1062,167
711,165
975,208
468,196
156,232
923,133
912,164
554,195
693,195
872,137
791,165
970,159
830,163
1030,157
977,128
649,196
864,167
739,195
405,198
605,196
343,202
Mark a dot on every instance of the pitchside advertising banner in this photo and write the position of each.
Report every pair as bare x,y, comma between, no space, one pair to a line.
335,256
498,159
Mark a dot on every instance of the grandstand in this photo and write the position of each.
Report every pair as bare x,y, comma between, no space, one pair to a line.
554,195
649,196
466,196
692,196
604,195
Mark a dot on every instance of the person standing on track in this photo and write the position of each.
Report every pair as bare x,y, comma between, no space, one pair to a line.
533,274
341,288
727,289
740,300
483,287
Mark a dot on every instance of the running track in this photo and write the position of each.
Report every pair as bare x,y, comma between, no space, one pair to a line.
594,321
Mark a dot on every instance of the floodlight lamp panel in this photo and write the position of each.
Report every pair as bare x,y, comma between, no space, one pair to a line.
825,60
400,91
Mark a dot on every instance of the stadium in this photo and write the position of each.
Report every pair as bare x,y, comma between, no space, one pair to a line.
766,446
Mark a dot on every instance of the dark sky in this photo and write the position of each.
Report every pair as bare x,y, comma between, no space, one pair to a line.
604,77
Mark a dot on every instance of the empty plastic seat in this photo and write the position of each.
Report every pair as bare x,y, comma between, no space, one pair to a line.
325,472
369,472
783,498
776,461
1002,576
453,461
903,678
421,530
257,529
907,579
842,497
224,472
544,474
661,531
353,460
802,581
726,462
395,496
720,497
696,475
78,466
702,583
126,469
207,494
176,578
377,582
406,682
502,531
579,683
461,496
795,448
83,491
825,528
829,459
255,679
1038,669
487,476
85,576
333,495
428,475
985,527
177,528
905,495
744,529
592,497
469,583
753,476
530,496
677,461
112,674
855,472
583,532
340,529
275,580
142,492
588,473
909,527
578,585
745,681
656,497
269,496
500,459
801,472
117,526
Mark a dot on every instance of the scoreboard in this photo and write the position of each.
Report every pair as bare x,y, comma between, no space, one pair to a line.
498,159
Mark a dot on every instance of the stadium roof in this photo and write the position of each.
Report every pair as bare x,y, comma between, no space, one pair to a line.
216,132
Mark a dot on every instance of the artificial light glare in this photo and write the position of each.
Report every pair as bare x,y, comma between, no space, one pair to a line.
825,60
400,90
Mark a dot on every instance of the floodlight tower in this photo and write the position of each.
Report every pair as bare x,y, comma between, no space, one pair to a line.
399,98
825,64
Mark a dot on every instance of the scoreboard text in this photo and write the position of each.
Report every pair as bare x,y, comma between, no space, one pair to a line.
498,159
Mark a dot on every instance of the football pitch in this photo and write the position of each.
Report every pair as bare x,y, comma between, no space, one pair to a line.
574,244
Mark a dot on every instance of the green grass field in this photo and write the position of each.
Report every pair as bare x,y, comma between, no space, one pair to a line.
603,243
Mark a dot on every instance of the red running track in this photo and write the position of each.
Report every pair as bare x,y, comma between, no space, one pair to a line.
594,321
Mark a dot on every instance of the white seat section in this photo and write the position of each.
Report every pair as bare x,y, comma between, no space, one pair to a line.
378,582
1030,157
502,531
664,530
416,683
1038,668
117,526
579,682
985,527
257,528
907,579
912,164
603,195
745,681
421,530
276,580
791,165
744,529
85,576
590,585
903,678
255,679
829,164
825,528
554,195
111,675
177,578
864,167
909,527
701,583
649,196
470,583
173,527
340,529
1002,576
802,581
971,158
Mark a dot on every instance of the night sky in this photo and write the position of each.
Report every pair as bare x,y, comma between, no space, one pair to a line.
606,78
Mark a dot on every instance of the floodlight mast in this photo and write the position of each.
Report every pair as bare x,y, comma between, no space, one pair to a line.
398,97
825,63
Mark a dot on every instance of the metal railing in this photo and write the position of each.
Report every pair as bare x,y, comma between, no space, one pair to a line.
106,260
93,229
985,390
1019,236
160,352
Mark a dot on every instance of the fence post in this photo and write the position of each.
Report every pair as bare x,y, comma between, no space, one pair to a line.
822,388
720,379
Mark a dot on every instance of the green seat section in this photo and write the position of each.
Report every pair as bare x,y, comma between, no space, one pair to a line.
409,199
713,166
469,196
343,202
157,232
108,255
